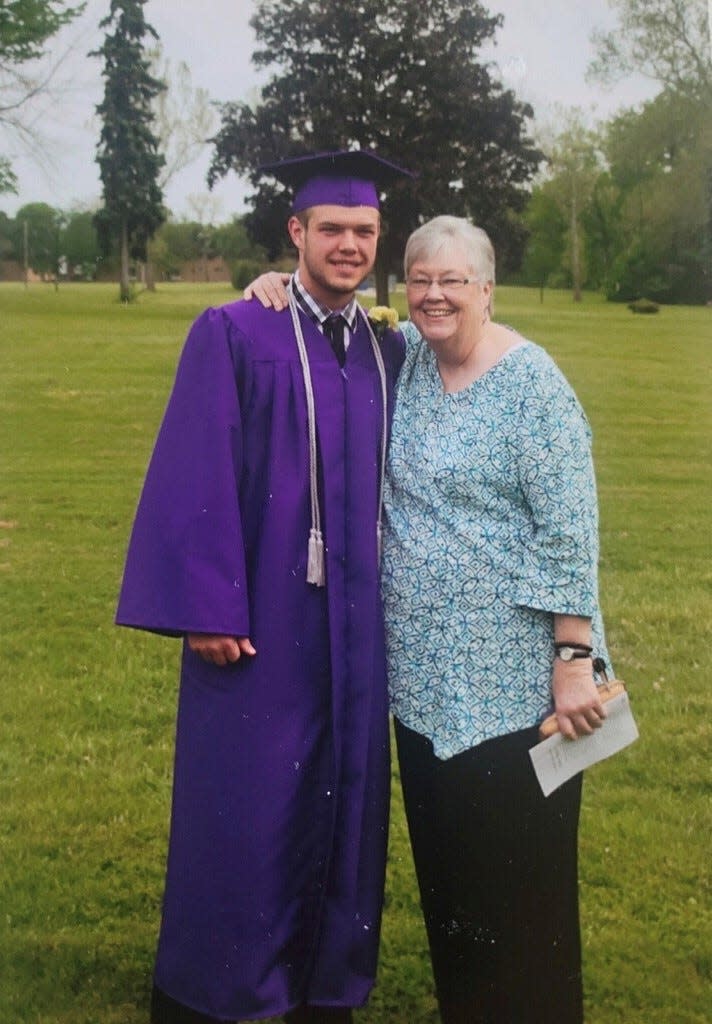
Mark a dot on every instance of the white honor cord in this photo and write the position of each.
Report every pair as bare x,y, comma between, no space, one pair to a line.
384,429
315,551
316,573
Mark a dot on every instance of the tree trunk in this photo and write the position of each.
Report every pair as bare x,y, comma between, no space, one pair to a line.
575,250
381,273
124,283
150,277
708,231
25,254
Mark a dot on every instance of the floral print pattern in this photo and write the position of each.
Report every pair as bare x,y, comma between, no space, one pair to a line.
491,528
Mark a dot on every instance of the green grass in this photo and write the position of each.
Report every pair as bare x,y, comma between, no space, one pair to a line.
87,711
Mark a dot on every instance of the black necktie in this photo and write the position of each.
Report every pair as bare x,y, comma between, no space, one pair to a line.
334,330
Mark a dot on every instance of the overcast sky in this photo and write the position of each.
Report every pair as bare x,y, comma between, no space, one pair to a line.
543,50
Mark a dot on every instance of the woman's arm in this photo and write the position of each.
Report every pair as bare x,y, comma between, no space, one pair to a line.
559,573
578,707
270,289
552,444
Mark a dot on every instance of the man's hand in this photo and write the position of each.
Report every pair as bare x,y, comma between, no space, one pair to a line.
220,650
578,707
270,289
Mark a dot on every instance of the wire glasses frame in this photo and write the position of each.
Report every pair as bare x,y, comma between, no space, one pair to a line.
445,284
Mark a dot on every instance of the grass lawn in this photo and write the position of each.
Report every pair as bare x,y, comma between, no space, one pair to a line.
87,710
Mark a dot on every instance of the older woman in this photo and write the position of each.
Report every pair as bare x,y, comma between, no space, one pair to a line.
489,585
490,595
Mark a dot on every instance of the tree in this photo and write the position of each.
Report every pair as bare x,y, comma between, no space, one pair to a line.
8,179
232,242
659,159
661,156
402,78
666,40
25,27
546,242
7,233
128,154
605,231
41,225
173,244
574,165
184,117
180,242
183,120
80,245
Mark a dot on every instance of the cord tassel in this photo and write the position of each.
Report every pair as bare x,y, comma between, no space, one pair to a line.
316,574
315,559
315,547
384,433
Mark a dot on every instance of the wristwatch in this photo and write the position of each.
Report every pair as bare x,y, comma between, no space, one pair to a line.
570,653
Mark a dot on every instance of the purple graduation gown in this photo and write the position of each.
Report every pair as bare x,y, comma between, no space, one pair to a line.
278,835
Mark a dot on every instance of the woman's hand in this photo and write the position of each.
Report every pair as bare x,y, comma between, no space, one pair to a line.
270,289
220,650
578,707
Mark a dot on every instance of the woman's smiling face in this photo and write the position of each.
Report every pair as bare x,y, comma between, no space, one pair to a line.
446,302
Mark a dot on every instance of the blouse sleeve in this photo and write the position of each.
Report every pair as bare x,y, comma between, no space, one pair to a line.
558,569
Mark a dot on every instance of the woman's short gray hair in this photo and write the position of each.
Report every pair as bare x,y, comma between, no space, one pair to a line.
426,240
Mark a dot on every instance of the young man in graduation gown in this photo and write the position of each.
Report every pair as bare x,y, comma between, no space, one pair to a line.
256,541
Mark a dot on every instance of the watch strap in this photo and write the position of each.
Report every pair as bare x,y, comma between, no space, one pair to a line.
575,644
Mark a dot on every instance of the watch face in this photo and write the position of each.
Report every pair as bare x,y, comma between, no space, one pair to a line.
566,653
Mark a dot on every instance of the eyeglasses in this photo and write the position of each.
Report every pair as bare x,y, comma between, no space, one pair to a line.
445,284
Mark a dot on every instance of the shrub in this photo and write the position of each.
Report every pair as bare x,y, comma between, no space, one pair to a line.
244,271
643,306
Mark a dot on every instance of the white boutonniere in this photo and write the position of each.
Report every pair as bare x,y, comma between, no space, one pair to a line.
382,318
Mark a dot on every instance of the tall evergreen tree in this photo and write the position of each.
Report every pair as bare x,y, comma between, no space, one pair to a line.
401,77
128,153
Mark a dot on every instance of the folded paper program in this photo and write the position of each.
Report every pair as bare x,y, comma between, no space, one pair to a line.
557,759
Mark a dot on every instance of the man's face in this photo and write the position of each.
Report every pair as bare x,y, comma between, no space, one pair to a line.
337,250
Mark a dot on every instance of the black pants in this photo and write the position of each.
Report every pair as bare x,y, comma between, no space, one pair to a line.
497,869
165,1010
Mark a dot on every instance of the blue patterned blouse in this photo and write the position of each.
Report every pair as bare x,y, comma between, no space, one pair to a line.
491,528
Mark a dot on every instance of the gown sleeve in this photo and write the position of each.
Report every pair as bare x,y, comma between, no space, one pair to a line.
559,568
185,567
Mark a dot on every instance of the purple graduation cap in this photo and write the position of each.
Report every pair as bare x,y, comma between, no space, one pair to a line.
351,177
